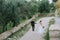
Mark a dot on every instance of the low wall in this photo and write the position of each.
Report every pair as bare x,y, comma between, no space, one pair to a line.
54,32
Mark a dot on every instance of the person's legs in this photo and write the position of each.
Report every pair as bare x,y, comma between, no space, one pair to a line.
33,28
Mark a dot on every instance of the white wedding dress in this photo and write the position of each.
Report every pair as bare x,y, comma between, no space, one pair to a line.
39,28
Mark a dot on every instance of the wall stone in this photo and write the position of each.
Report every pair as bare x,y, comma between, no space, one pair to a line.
54,31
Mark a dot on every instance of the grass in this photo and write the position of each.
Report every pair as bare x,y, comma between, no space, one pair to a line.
47,33
9,25
51,22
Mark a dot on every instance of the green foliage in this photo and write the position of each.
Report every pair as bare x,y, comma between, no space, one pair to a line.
8,14
9,25
13,11
52,7
47,35
44,6
55,0
52,21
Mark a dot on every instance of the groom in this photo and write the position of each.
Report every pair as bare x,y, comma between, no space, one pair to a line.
33,25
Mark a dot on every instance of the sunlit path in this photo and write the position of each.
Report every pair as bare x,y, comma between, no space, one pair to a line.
30,35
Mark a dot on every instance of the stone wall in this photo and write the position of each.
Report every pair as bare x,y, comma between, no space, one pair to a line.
54,32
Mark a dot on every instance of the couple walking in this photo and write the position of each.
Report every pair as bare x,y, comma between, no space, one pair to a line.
39,26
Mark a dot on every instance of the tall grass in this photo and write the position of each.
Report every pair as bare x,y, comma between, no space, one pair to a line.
47,33
52,21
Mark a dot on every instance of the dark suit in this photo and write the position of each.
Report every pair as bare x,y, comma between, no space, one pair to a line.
33,25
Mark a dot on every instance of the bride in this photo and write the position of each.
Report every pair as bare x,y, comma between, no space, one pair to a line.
40,27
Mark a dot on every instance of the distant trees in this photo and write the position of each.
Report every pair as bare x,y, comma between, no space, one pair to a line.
52,7
44,6
54,0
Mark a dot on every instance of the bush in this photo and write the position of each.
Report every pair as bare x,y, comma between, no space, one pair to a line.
44,6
